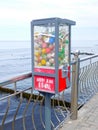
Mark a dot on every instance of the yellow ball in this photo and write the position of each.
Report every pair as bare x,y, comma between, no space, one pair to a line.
43,62
37,54
39,50
39,64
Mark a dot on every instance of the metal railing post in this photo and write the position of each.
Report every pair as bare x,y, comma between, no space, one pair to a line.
74,90
15,87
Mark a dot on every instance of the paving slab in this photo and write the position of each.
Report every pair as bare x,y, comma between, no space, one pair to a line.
87,117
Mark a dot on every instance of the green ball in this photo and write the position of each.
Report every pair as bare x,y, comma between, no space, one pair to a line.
67,41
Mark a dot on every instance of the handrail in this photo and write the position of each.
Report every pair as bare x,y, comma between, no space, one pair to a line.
15,79
88,58
14,94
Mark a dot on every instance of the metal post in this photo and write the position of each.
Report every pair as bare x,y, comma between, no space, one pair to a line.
47,111
15,87
74,90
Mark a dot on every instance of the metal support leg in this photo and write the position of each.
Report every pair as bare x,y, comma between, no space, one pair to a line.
47,111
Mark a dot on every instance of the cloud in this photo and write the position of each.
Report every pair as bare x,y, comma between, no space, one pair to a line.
26,10
19,13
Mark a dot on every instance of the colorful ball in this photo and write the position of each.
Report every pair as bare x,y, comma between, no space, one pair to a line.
37,54
48,64
53,54
43,62
40,50
51,46
35,63
49,56
39,59
51,40
51,61
46,39
43,51
44,56
67,41
39,64
48,50
44,45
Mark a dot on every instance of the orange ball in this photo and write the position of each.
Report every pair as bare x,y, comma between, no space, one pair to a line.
44,51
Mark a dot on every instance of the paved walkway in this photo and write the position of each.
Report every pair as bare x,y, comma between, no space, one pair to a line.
87,117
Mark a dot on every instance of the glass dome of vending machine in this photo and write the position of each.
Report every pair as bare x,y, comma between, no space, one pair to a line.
50,50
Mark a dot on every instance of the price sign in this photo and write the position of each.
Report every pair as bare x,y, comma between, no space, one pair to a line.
43,83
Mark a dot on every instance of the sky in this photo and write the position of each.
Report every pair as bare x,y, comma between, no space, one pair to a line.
16,15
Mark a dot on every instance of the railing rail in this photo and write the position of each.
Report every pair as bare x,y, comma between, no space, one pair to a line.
88,58
16,93
16,79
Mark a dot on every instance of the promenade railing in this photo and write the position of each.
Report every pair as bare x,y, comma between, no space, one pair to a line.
84,81
22,107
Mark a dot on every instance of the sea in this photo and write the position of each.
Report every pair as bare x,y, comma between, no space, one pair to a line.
14,61
17,61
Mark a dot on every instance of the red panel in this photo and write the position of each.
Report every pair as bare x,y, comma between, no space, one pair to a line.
47,84
62,82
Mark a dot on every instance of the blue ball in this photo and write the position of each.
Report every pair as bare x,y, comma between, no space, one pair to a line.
51,40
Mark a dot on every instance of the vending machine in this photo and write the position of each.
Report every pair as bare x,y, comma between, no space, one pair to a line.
50,50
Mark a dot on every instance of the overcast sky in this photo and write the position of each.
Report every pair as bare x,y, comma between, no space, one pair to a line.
16,15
